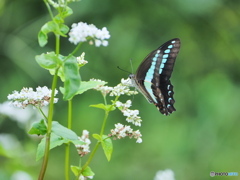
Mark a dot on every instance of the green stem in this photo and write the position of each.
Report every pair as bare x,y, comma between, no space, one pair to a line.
67,161
67,153
74,51
97,145
57,49
42,113
49,125
49,8
101,134
90,157
104,123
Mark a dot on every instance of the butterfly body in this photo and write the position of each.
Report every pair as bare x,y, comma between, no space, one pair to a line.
153,76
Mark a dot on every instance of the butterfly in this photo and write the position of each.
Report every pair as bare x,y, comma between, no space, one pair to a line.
152,78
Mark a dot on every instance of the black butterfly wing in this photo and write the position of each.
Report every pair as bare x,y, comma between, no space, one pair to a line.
153,76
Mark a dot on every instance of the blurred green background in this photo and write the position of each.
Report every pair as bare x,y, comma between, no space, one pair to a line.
201,136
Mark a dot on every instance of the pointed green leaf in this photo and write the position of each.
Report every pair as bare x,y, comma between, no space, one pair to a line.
48,61
67,12
100,106
38,128
104,107
110,108
86,85
87,172
64,28
107,146
77,142
55,140
63,132
42,39
42,35
75,170
72,78
49,26
97,136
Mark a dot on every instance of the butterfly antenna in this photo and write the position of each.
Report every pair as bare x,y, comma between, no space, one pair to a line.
131,65
123,70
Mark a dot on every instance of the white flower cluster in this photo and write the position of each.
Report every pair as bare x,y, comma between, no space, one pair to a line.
39,98
102,88
122,131
118,90
122,88
127,82
81,32
167,174
60,3
132,115
81,60
84,149
81,177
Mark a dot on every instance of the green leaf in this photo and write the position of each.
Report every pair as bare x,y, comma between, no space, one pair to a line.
110,108
67,12
86,85
54,26
100,106
75,170
49,26
72,78
60,70
38,128
88,172
46,28
59,136
77,142
64,28
48,61
63,132
55,141
107,147
104,107
97,136
42,39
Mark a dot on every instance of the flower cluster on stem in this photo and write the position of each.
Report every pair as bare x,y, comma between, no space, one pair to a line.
61,3
82,32
84,149
27,96
122,131
81,60
133,117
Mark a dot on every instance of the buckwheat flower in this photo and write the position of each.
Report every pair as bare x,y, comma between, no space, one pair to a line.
98,80
167,174
132,115
82,32
81,61
122,131
84,149
60,3
102,88
39,98
123,106
85,177
126,82
122,88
